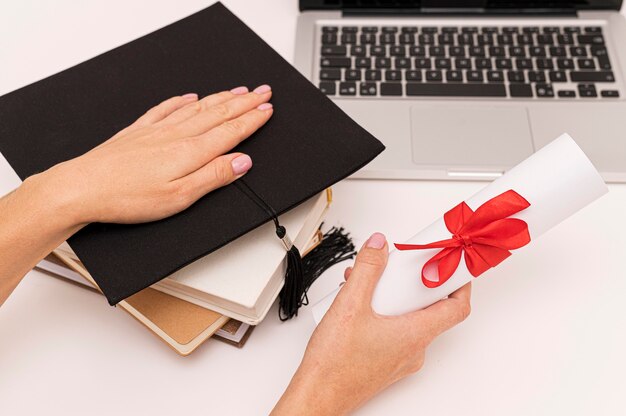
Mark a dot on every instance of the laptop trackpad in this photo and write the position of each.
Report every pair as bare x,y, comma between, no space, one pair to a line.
473,137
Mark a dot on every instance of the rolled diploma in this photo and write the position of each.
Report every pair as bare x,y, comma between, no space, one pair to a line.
558,181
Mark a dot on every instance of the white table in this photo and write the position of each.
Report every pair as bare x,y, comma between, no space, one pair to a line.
546,337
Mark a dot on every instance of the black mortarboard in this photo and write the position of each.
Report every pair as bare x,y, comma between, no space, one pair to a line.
308,145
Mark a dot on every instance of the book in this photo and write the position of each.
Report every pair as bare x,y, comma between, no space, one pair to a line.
242,279
308,145
233,332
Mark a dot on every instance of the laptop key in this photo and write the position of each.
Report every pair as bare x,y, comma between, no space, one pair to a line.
578,51
517,51
523,63
610,93
377,50
495,76
363,62
587,90
369,29
520,90
367,39
558,76
393,75
332,62
373,75
438,51
590,39
413,75
457,51
443,63
504,63
423,63
330,74
482,63
504,39
382,63
391,88
565,39
407,39
592,76
477,51
571,29
329,39
434,75
402,63
544,63
557,51
474,76
328,88
567,94
417,51
397,51
497,51
409,29
357,50
545,39
544,90
338,50
330,29
387,38
510,30
537,51
429,30
349,29
368,88
390,29
469,29
352,75
463,63
348,38
536,76
550,29
593,29
454,76
530,29
455,90
516,76
347,88
565,63
586,63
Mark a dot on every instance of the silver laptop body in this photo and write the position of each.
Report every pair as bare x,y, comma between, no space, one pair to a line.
404,75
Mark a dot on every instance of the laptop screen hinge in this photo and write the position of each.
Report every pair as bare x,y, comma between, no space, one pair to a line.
454,12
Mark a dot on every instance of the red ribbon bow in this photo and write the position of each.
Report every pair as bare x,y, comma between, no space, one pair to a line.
485,235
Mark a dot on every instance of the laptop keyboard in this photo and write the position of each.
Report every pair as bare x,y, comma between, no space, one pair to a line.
544,62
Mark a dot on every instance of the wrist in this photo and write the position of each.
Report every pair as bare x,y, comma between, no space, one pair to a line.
46,195
311,392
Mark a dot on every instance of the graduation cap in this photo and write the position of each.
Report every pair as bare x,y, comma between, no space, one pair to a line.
308,145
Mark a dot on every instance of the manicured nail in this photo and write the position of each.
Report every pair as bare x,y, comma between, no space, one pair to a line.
239,90
263,89
265,106
241,164
377,241
191,95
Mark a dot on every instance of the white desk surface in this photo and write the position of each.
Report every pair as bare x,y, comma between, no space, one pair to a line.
547,335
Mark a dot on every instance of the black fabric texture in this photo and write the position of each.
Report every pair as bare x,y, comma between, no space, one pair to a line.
308,145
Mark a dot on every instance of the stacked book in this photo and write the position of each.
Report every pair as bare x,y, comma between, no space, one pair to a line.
221,296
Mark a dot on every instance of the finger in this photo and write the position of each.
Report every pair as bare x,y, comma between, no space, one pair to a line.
188,111
161,111
225,137
368,267
219,172
446,313
346,273
211,116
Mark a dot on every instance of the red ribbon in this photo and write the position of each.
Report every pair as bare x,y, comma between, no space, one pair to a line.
485,235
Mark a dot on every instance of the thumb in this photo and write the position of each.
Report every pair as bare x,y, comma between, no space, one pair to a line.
368,267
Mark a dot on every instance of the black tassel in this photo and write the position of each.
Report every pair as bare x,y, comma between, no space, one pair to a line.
335,247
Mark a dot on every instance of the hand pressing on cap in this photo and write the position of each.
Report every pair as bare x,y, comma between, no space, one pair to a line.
161,164
165,161
355,353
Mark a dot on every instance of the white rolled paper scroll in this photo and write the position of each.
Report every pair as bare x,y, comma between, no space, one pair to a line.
558,181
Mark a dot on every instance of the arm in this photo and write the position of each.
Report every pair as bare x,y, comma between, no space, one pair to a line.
355,353
160,165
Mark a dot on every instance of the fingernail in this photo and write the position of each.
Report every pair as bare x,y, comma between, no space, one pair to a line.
263,89
241,164
191,95
377,241
265,106
239,90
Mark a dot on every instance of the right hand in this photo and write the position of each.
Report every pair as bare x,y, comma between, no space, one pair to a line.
354,352
162,163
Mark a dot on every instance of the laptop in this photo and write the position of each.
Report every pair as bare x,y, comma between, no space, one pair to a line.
465,89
